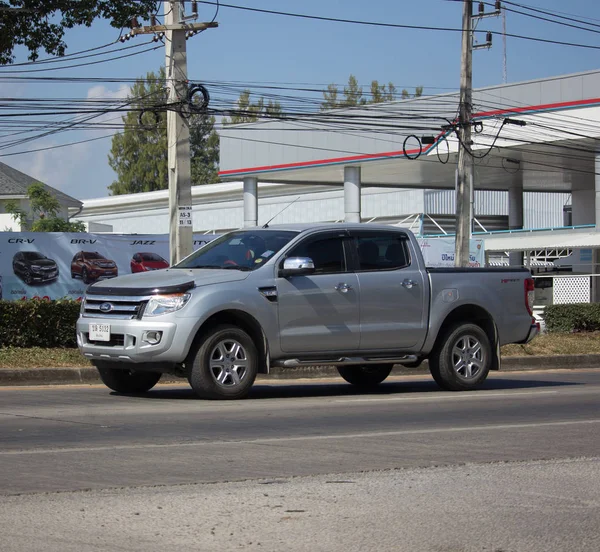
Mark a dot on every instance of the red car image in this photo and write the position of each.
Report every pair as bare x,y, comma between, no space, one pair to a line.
142,262
90,266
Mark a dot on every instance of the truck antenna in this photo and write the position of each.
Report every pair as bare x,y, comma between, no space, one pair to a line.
266,224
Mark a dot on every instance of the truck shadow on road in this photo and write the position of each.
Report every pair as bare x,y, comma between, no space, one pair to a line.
278,389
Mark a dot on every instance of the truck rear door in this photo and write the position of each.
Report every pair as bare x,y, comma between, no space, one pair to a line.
393,291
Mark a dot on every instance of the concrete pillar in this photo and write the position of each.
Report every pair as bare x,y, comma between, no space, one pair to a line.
352,194
595,287
515,218
250,201
597,189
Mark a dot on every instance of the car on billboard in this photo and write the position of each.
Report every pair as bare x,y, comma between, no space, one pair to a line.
90,266
142,262
34,267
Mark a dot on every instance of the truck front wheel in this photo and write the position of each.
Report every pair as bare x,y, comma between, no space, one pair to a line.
462,359
126,381
225,364
365,376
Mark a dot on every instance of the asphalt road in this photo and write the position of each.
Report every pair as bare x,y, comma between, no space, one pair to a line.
513,467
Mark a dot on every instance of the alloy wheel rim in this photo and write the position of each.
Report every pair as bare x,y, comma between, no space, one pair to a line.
228,363
468,357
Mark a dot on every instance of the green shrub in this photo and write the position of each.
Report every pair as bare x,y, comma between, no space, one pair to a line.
579,317
38,323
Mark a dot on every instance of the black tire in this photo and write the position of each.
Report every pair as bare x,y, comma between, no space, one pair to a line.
224,365
365,377
462,359
85,276
27,277
124,380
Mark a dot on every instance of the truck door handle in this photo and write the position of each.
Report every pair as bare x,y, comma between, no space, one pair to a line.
343,288
409,283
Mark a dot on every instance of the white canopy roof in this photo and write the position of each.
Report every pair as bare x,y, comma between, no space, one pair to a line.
543,239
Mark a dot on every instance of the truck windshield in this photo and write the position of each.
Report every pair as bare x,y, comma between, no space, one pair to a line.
240,250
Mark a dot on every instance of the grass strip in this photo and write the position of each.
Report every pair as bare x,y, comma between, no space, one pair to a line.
544,345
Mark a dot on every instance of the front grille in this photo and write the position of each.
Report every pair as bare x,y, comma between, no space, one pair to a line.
123,308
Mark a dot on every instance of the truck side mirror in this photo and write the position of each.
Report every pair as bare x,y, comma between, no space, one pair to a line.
297,266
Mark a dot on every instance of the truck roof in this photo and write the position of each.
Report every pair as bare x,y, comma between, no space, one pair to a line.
302,227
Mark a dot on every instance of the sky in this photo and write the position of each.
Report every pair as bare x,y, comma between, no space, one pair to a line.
256,48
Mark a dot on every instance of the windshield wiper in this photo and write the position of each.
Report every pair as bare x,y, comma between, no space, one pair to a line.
201,266
237,267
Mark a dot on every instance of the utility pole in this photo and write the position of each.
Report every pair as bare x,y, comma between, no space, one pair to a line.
464,171
176,30
504,62
181,229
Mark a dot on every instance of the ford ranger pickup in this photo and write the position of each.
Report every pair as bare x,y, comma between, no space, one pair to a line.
355,296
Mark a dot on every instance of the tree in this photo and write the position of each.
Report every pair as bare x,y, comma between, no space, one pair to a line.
41,24
330,98
380,93
247,111
44,209
353,94
139,154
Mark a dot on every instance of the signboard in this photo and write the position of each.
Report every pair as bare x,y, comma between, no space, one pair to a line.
185,216
439,252
55,265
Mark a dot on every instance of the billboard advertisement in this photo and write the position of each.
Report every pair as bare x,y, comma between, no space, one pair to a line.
439,252
56,265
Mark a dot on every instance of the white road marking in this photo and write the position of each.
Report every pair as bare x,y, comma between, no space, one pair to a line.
461,396
268,440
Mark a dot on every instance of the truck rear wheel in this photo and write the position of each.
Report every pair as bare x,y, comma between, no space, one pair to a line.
123,380
224,365
463,358
365,376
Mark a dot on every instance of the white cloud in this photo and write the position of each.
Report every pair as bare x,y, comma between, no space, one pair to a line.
102,92
80,170
62,168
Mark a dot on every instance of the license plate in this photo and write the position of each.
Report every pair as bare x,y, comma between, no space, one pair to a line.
99,332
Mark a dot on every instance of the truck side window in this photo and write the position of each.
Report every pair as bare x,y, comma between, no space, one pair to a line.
382,252
327,254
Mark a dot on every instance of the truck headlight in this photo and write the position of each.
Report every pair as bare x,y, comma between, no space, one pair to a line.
164,304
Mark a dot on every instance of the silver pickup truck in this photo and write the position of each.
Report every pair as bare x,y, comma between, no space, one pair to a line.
354,296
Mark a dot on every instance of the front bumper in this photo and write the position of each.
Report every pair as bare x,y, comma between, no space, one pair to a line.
43,277
129,341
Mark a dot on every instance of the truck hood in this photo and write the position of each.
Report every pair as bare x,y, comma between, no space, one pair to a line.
171,280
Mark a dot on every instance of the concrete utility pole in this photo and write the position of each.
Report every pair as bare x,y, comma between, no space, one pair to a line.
181,229
181,238
464,172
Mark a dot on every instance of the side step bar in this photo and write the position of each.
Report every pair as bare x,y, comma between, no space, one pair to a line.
345,361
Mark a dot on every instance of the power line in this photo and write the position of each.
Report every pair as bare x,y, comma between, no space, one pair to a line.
574,18
3,72
393,25
547,19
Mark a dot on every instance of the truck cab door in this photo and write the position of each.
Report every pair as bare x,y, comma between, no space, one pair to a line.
394,291
319,312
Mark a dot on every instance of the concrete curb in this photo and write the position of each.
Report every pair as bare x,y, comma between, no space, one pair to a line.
89,375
